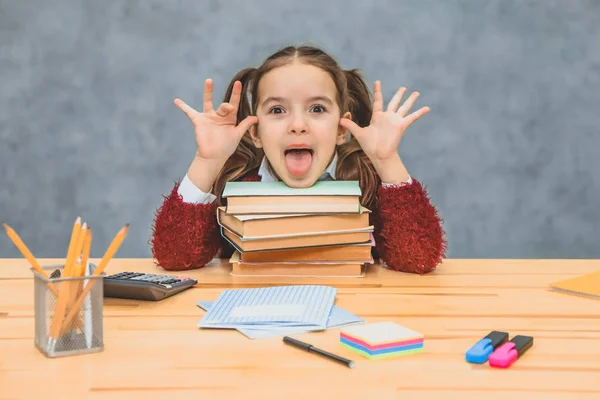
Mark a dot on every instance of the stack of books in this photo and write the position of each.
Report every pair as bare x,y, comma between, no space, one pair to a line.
277,230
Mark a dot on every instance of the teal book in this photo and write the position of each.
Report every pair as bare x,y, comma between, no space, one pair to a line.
324,197
320,188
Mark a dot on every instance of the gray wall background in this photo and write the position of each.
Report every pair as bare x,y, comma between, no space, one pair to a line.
509,152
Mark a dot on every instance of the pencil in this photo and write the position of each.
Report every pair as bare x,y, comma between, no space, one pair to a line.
27,254
71,252
87,244
65,293
112,249
75,270
110,252
88,328
80,271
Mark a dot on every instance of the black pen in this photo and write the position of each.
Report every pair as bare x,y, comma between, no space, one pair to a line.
310,348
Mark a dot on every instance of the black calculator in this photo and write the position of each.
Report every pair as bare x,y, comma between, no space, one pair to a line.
141,286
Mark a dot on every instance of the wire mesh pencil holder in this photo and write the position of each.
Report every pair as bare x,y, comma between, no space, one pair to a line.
68,312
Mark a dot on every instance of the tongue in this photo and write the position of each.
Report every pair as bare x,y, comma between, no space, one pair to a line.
298,162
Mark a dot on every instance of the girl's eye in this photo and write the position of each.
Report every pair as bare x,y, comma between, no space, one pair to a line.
318,108
276,110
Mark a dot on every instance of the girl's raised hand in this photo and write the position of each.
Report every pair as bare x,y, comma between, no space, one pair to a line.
380,140
217,133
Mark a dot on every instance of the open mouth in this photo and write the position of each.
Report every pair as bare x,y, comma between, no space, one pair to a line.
298,159
298,150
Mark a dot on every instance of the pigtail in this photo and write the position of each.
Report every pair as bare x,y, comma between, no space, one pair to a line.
246,157
353,163
359,104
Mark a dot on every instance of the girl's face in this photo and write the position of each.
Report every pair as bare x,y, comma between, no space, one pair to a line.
298,122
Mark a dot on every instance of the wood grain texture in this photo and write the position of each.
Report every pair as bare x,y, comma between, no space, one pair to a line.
154,349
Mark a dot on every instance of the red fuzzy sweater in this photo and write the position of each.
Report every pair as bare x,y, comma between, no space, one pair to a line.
407,231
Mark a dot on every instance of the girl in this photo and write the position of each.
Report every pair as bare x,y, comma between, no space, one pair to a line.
299,118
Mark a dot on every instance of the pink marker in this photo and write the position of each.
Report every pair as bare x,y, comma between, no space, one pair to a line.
505,355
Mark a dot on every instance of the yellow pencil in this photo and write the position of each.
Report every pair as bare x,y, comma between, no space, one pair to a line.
80,272
112,249
82,237
27,254
74,268
110,252
64,296
87,244
71,252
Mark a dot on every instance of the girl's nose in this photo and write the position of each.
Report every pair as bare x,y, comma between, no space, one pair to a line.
298,126
299,130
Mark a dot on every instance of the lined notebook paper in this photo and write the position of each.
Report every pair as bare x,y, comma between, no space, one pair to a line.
304,305
338,318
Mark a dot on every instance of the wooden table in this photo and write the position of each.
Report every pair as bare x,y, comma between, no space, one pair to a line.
154,350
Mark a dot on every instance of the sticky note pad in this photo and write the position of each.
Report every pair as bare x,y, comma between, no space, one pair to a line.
381,340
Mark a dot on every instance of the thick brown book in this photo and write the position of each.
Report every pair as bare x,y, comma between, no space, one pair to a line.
291,242
352,252
354,270
290,224
244,244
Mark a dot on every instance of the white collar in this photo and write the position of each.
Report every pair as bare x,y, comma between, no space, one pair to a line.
266,176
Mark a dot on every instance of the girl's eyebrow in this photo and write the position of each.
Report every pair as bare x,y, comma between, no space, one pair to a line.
324,99
274,99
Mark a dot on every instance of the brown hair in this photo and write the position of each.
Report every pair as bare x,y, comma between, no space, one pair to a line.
352,95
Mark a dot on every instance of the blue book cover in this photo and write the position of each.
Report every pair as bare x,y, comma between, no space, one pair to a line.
320,188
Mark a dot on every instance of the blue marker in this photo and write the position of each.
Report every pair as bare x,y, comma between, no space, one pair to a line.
480,351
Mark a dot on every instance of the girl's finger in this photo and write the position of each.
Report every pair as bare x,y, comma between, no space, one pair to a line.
352,127
403,111
208,89
377,97
416,115
224,109
189,111
246,123
235,94
395,101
